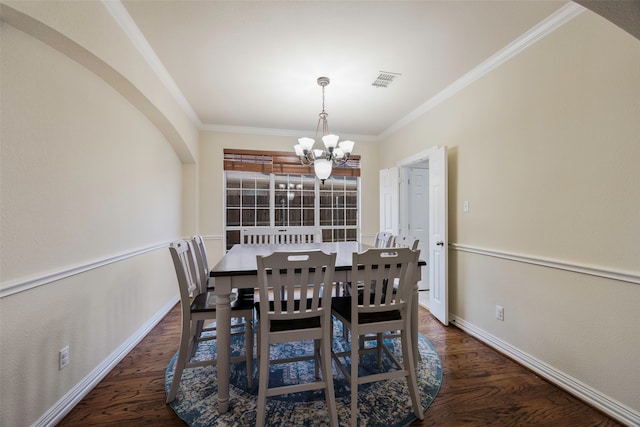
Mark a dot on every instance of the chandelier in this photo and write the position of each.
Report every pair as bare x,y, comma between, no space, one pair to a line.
334,153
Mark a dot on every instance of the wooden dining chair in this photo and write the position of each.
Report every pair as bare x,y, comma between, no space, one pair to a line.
198,306
280,235
383,240
202,262
375,310
293,307
404,241
244,294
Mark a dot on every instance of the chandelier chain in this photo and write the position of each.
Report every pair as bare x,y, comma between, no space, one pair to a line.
323,118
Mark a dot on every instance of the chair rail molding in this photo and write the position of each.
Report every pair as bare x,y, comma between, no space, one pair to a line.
25,283
592,270
213,237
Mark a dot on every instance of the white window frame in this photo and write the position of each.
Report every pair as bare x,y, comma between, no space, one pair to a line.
272,204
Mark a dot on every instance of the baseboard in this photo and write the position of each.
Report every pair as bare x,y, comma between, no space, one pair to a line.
607,405
63,406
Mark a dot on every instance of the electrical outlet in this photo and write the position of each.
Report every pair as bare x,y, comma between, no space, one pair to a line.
500,312
63,357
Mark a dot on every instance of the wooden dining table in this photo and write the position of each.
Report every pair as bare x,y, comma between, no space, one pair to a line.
238,269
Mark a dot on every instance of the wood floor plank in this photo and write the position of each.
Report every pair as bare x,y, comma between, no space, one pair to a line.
480,387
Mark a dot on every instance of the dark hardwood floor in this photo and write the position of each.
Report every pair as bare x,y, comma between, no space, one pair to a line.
480,387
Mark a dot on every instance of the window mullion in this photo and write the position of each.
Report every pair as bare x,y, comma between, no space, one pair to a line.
272,200
334,205
316,203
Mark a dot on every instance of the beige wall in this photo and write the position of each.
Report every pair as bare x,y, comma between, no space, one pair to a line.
91,192
89,33
211,149
545,148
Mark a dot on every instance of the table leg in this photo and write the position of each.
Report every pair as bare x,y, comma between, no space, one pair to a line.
223,331
414,324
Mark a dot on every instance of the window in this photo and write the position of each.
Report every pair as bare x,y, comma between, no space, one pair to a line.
339,209
294,200
274,189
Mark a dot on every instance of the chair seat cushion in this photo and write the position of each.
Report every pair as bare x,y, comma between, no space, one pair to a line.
293,324
342,307
206,301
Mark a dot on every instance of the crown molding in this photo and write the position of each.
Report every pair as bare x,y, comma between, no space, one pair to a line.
277,132
122,17
563,15
554,21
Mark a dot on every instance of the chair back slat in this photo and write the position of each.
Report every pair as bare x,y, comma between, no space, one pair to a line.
291,277
256,236
280,235
293,235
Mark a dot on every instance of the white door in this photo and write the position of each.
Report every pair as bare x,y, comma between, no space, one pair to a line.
389,200
418,215
438,245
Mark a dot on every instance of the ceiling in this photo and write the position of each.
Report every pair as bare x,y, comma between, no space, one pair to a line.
254,64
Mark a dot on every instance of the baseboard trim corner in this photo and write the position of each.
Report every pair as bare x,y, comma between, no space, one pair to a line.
62,407
606,404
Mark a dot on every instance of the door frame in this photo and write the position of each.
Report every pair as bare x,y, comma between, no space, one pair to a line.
421,210
404,165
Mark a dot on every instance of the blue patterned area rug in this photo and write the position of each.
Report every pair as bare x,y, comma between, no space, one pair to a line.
384,403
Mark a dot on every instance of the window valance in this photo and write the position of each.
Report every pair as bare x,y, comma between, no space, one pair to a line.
280,162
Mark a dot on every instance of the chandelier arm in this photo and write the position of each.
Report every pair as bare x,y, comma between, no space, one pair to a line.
342,161
305,161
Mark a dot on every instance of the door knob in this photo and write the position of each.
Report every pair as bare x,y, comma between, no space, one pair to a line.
440,243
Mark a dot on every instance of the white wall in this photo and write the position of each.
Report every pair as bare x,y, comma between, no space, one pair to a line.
545,148
91,193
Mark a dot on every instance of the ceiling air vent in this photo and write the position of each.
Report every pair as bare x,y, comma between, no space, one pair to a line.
384,79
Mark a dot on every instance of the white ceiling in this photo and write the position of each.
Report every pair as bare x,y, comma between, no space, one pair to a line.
254,64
